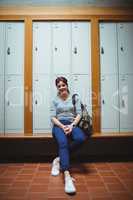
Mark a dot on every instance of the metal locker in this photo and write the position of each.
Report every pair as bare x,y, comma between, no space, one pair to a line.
14,104
81,85
61,45
125,47
41,104
42,47
1,104
2,47
14,59
109,103
108,48
81,48
126,103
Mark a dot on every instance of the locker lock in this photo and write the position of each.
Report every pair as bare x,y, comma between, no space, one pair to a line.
102,50
8,51
75,50
122,49
103,102
55,48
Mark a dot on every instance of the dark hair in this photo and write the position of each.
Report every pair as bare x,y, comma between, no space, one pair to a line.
61,78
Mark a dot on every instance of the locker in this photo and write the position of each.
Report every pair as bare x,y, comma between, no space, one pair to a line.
126,103
61,45
1,104
81,48
14,104
42,47
125,47
108,48
81,84
41,104
14,52
109,103
2,47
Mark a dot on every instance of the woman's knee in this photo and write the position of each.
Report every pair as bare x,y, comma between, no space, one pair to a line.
79,135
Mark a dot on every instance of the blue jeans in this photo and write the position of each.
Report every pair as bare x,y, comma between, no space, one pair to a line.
64,146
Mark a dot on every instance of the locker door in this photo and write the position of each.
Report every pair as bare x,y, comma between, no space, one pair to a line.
42,49
125,48
1,104
61,32
14,61
81,48
14,104
108,48
109,104
81,84
126,102
41,104
2,47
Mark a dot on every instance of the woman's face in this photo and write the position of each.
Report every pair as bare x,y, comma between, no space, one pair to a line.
62,87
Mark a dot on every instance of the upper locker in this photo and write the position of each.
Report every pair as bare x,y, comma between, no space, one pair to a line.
81,51
125,47
42,47
108,48
61,45
14,60
81,62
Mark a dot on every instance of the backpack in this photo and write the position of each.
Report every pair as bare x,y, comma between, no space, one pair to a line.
85,122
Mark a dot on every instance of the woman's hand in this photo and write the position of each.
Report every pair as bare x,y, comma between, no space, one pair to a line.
67,129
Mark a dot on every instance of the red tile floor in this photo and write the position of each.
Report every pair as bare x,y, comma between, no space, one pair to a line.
94,181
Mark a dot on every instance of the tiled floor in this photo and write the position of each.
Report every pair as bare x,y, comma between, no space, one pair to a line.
94,181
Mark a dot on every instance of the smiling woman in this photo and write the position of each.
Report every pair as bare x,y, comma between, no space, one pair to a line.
65,130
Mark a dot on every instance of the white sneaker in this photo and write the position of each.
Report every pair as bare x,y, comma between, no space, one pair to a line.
55,167
69,185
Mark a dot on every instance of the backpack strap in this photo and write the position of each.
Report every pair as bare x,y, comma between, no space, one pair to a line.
74,102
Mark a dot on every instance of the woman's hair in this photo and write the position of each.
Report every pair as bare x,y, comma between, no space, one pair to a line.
63,79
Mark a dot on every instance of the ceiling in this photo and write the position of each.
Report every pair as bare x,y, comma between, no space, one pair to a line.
123,3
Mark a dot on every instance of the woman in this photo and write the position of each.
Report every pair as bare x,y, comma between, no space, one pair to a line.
64,127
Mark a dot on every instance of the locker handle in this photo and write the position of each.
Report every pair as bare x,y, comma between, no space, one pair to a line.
102,50
123,103
75,50
8,51
103,102
122,49
36,102
36,49
8,103
55,48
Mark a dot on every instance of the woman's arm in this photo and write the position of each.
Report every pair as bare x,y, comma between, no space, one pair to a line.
57,122
76,120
